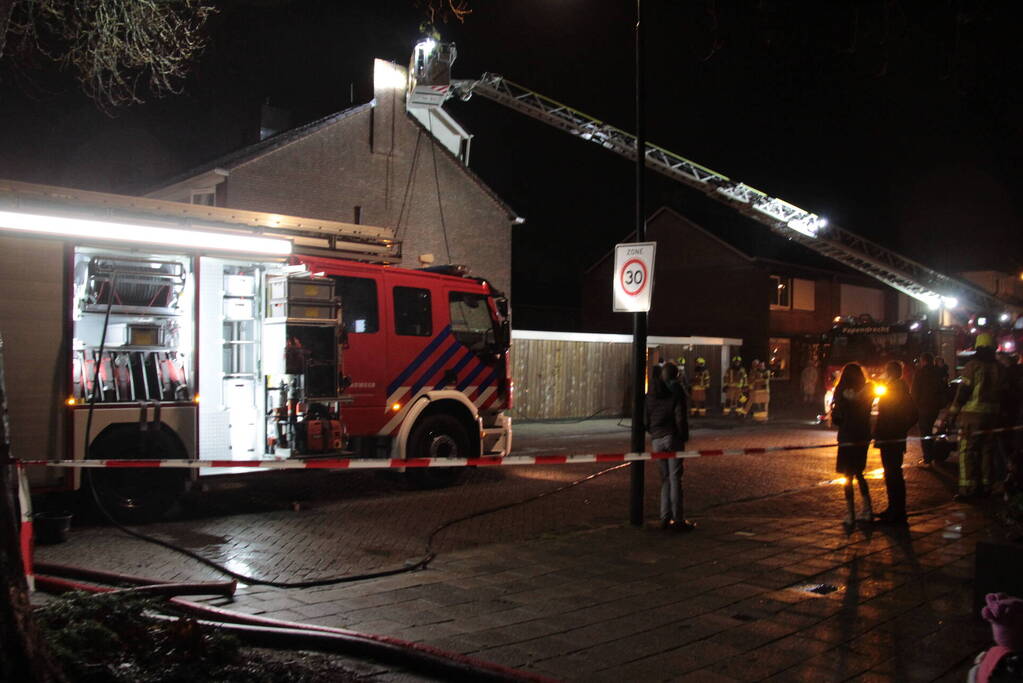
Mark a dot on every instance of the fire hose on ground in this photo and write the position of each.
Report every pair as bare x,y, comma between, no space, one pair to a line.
264,632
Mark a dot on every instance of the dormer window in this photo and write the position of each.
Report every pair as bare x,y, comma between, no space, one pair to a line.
204,197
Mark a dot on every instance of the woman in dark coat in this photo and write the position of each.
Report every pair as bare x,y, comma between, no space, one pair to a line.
850,410
668,423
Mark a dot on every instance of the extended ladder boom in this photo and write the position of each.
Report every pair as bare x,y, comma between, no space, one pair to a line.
790,221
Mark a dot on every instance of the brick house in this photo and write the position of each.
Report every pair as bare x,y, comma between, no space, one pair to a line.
775,295
371,164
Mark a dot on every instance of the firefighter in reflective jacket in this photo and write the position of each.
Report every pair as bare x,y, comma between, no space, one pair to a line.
760,390
701,385
736,384
683,377
977,401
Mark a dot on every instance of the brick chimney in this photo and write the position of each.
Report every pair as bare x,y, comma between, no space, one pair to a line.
389,82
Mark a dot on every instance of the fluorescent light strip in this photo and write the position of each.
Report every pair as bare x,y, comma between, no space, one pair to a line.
146,234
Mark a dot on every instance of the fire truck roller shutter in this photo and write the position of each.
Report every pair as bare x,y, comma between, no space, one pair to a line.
137,495
444,429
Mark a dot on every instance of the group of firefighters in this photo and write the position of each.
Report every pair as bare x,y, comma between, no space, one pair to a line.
746,393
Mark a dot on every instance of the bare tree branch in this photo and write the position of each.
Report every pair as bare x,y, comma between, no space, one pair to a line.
444,9
115,48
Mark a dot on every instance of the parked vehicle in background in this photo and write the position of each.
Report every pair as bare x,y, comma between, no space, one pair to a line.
872,344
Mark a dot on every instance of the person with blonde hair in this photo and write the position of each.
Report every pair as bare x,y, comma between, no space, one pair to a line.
850,411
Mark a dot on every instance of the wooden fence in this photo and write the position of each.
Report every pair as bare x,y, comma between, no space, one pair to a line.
562,375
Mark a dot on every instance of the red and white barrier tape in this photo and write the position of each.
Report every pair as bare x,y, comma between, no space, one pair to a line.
484,461
27,531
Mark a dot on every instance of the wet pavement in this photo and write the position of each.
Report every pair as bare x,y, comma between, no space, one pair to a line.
770,586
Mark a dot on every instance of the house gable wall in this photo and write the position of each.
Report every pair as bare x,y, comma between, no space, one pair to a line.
395,175
702,287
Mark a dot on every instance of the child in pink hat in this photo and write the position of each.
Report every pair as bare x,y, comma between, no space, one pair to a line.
1004,661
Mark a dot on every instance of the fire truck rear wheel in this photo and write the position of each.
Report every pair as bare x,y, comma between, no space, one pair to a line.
436,436
137,495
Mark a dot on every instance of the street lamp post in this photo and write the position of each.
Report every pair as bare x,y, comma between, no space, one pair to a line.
639,323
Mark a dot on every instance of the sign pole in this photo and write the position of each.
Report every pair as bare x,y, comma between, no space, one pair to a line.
639,323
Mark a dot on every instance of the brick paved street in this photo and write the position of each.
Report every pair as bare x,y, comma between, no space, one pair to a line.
564,586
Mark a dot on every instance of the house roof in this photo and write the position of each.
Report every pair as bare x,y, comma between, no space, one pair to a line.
284,138
255,150
754,242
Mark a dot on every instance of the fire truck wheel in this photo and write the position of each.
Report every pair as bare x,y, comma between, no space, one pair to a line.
436,436
137,495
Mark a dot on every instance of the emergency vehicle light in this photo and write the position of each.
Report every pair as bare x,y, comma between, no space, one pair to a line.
194,239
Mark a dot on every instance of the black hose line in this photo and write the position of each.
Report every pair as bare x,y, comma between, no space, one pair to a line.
422,563
429,539
99,365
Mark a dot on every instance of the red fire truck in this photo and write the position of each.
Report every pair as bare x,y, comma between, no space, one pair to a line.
872,345
300,337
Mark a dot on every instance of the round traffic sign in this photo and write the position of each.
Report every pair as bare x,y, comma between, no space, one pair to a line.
633,277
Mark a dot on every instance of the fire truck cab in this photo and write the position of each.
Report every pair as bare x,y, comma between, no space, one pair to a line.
426,353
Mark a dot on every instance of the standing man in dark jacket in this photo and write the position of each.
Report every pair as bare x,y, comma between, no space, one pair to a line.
930,393
896,413
668,423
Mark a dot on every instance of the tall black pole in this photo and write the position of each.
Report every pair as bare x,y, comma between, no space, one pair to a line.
639,326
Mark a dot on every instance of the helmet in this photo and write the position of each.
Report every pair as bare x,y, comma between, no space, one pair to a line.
984,339
700,361
736,360
681,360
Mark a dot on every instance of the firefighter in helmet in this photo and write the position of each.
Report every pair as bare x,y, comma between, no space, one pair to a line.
683,376
760,390
977,402
700,387
736,382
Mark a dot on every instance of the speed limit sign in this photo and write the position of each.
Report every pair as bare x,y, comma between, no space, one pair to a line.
633,276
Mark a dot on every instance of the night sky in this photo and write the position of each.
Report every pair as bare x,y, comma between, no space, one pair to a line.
901,121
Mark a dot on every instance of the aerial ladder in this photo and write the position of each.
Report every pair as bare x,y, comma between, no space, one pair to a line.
905,275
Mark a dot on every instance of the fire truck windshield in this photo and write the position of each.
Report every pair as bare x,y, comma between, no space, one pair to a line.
471,320
859,348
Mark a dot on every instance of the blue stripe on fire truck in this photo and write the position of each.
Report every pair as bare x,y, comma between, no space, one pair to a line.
471,376
432,370
414,365
469,355
485,384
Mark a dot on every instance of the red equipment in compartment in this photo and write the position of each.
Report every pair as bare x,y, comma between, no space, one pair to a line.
323,435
